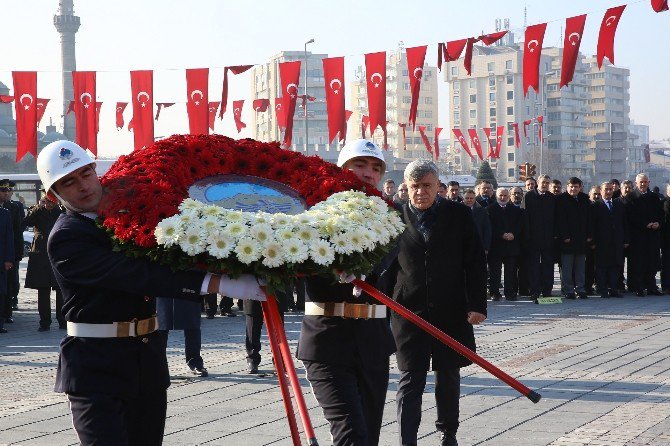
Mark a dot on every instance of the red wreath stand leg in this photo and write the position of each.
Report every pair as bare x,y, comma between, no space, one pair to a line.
285,367
448,340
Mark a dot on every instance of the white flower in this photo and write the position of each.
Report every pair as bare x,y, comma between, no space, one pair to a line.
279,220
303,219
193,242
261,232
209,223
211,211
235,229
235,216
272,255
186,219
357,239
342,244
248,250
190,205
286,233
322,252
220,244
261,217
307,234
168,231
295,251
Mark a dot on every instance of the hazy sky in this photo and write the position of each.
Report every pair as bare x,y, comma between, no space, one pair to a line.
169,36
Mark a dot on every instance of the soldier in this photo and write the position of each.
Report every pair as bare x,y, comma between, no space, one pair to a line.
17,214
112,363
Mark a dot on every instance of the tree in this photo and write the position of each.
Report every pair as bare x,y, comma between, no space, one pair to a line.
486,173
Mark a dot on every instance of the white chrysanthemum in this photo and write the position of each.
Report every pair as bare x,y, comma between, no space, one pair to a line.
357,239
295,251
355,217
382,234
369,238
193,242
220,244
322,252
211,211
307,234
279,220
342,244
186,219
168,231
273,255
209,224
248,250
235,216
303,219
190,205
261,217
262,233
285,234
235,229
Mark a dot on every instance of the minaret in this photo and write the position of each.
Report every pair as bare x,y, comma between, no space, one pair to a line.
67,24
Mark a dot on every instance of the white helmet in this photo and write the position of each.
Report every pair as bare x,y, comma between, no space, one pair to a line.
360,147
59,159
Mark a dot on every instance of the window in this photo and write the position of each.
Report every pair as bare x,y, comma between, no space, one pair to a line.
510,79
457,116
454,71
508,64
473,114
492,96
428,100
491,66
473,98
510,111
492,81
429,127
457,99
510,156
407,99
510,95
472,83
510,141
405,73
510,172
427,114
492,111
405,86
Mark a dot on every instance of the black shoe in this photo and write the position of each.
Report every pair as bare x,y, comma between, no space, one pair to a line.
535,300
654,292
448,439
640,293
3,330
210,316
582,295
252,368
44,328
570,296
9,320
199,371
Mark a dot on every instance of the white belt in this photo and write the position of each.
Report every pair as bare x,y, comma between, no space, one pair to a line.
345,309
133,328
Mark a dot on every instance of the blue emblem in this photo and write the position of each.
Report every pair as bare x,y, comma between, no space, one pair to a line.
65,154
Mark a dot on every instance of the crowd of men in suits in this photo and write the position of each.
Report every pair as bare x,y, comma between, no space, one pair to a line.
590,236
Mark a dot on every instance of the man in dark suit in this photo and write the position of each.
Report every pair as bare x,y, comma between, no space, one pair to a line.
441,277
6,261
540,205
610,237
17,214
625,196
453,189
481,218
508,229
590,271
665,243
112,363
645,216
485,196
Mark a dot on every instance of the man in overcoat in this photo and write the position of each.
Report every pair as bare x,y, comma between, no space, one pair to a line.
441,276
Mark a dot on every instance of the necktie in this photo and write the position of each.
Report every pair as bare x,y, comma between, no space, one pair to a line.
609,205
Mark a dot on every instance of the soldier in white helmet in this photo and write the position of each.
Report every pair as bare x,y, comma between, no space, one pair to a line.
112,363
345,340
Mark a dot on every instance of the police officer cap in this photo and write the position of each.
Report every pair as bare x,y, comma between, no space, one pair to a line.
360,148
6,185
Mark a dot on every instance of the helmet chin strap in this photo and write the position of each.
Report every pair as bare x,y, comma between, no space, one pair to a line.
65,203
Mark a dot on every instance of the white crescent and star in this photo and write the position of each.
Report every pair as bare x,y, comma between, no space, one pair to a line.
237,111
578,38
85,95
23,96
532,47
194,93
372,79
339,85
294,87
119,109
145,94
419,74
611,19
278,107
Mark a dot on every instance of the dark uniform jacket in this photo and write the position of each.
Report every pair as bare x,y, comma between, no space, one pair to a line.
484,201
103,286
39,273
6,247
511,219
440,280
573,222
17,213
645,244
610,232
540,212
483,225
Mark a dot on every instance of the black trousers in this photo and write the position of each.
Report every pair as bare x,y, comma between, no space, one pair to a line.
590,271
541,271
523,285
4,301
192,345
352,398
511,285
607,278
44,306
408,400
253,315
103,420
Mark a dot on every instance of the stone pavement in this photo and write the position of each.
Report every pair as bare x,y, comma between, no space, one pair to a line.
602,367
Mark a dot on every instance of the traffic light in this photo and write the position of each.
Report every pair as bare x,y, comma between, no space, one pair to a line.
531,170
523,172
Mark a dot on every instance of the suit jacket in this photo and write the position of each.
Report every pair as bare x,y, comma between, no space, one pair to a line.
573,222
440,280
483,224
103,286
541,218
484,201
645,244
610,232
511,219
39,273
16,214
6,247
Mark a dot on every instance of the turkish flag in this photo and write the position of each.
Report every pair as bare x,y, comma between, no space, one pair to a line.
70,108
499,135
347,115
517,139
467,59
574,30
375,71
415,59
238,69
454,49
365,123
25,89
424,138
237,114
489,39
260,105
659,5
540,120
461,139
436,141
41,108
526,123
607,32
289,72
532,50
492,152
213,107
280,113
120,107
333,74
5,99
142,87
474,139
197,100
404,138
84,109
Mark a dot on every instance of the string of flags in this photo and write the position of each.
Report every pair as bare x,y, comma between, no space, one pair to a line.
29,108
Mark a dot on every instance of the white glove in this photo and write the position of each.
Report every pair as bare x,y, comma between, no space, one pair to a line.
345,277
357,291
244,287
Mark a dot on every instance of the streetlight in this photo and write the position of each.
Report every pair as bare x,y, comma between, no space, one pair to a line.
305,100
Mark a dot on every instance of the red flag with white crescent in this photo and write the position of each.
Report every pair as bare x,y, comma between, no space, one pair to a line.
84,109
532,51
41,108
492,152
659,5
464,143
142,87
375,73
574,30
499,135
213,108
424,138
517,139
280,113
289,72
474,139
197,100
120,107
237,114
333,74
607,32
415,60
365,123
25,89
259,105
489,39
237,69
436,141
404,137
